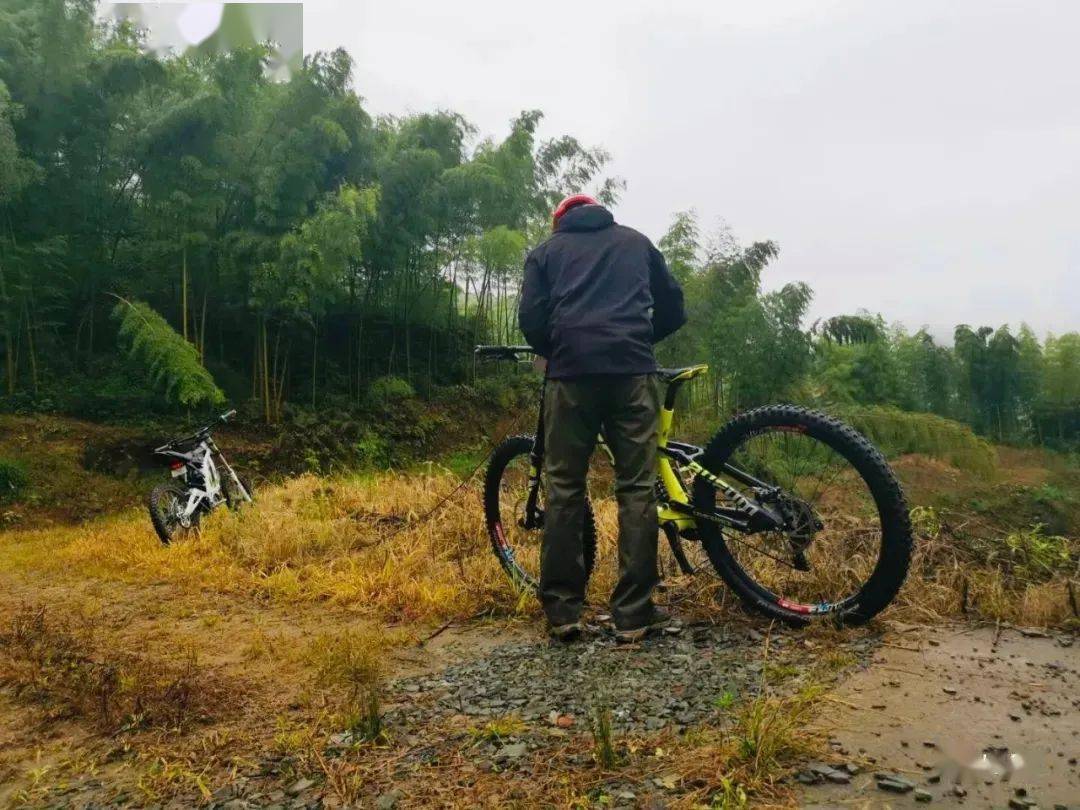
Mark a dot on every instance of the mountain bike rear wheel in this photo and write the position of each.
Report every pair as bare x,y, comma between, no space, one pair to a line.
847,541
515,536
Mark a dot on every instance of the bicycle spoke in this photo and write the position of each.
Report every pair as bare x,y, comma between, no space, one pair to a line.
761,551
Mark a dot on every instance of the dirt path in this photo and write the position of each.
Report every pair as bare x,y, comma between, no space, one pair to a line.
512,722
935,695
959,688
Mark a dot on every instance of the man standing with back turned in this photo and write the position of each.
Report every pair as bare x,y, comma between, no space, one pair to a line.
596,297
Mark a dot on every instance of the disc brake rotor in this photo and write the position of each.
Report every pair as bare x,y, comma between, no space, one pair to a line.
178,514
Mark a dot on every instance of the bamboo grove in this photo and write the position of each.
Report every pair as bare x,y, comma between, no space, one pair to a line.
305,249
294,240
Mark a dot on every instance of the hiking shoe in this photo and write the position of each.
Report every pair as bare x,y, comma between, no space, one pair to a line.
660,620
566,632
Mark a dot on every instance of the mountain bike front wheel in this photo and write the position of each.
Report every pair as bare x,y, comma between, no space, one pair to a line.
166,502
234,498
515,528
846,544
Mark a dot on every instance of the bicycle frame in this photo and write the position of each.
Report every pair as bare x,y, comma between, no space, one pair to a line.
211,495
746,515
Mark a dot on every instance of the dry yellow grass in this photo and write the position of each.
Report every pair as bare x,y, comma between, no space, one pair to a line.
354,547
943,583
355,542
358,542
58,663
308,540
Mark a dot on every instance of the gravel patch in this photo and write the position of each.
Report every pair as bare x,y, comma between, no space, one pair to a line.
664,681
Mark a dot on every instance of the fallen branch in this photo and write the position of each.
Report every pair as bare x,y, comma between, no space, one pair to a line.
439,631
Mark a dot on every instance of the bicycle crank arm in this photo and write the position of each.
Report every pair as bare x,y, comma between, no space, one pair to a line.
799,561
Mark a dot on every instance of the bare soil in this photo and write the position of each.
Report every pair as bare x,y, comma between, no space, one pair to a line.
934,696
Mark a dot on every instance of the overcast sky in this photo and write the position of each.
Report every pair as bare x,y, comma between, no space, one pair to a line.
921,159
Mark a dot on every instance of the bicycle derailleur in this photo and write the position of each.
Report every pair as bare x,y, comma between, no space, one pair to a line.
801,523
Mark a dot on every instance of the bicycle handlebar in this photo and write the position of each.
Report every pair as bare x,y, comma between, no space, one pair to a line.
502,352
201,433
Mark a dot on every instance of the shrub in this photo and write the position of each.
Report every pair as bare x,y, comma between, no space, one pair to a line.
508,391
1036,555
328,441
110,390
897,432
13,479
386,392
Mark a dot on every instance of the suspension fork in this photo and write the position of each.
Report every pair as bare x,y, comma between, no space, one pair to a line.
236,478
194,502
536,463
228,469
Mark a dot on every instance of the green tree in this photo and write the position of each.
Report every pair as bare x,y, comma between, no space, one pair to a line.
1059,406
1029,376
681,246
1003,385
928,372
972,353
754,341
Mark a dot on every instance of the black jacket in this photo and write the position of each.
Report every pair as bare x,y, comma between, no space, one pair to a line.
597,296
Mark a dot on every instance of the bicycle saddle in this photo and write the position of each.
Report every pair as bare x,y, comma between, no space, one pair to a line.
670,375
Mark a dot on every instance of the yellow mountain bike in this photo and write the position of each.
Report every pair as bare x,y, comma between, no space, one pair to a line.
798,512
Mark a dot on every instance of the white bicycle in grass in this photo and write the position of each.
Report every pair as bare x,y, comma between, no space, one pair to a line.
198,487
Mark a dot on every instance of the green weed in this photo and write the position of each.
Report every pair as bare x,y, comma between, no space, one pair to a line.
604,752
730,796
14,479
1036,554
498,729
725,701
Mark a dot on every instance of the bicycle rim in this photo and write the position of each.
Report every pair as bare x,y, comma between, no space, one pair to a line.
835,526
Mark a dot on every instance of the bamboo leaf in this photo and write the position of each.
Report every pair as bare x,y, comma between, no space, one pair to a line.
172,364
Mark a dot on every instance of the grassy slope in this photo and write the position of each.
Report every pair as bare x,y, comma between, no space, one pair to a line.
61,489
264,603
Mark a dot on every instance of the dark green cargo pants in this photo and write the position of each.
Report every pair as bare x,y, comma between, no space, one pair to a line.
575,411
